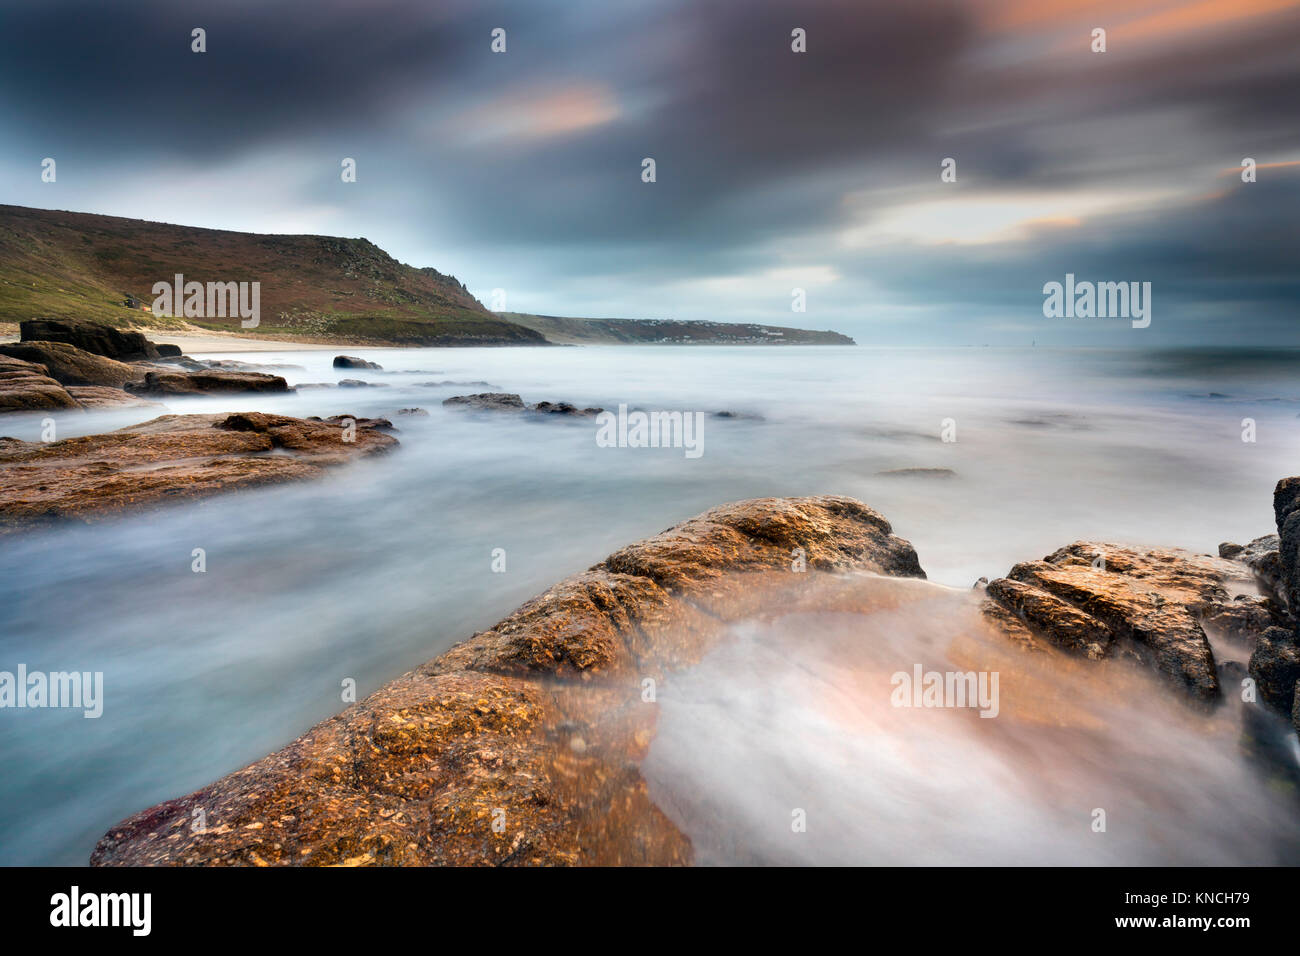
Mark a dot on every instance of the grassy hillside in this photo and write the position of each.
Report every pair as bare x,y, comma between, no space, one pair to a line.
79,265
567,331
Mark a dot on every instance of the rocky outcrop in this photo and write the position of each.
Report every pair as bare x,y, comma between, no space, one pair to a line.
1264,559
358,383
1103,600
351,361
1286,512
564,408
1275,665
521,745
27,386
383,424
168,459
206,383
487,401
70,365
91,337
509,402
99,396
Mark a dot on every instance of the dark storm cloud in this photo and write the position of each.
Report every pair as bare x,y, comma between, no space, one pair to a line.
523,170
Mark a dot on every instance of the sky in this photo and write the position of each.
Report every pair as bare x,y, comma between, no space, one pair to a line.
775,170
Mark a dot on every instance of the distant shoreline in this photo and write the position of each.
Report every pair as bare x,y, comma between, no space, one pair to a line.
196,341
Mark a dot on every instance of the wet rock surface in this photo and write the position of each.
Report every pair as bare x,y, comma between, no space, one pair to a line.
351,361
509,402
168,459
206,383
487,401
358,383
521,745
1104,600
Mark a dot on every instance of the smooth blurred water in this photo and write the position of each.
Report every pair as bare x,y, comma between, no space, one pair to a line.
388,562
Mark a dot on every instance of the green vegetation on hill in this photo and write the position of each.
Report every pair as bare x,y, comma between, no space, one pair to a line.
79,265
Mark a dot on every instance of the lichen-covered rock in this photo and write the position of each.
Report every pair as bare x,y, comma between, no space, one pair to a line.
521,745
1104,599
27,386
168,459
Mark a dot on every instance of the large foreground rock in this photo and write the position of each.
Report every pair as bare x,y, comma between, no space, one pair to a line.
171,458
1102,600
207,383
521,745
70,365
91,337
27,386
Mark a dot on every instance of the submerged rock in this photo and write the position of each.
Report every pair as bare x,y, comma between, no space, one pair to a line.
205,383
564,408
167,459
73,366
488,401
521,745
357,383
509,402
918,473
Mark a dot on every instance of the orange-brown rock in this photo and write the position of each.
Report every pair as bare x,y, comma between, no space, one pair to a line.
70,365
523,744
27,386
168,459
101,396
1149,604
207,382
